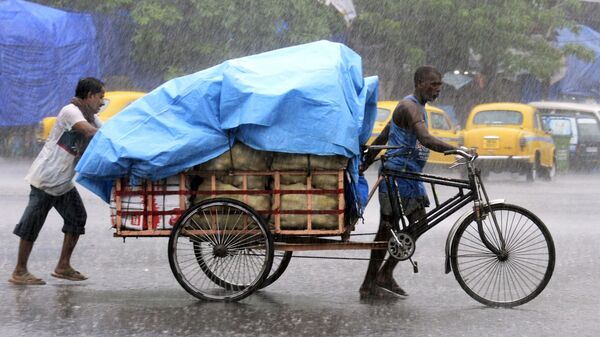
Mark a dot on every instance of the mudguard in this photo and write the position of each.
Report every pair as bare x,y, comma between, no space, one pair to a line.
455,228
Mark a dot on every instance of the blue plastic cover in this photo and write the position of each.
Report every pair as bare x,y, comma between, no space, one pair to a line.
309,99
43,53
582,78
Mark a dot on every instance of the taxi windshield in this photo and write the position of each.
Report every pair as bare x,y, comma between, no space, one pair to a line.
498,117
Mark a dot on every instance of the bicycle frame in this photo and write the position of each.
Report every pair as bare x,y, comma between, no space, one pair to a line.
470,190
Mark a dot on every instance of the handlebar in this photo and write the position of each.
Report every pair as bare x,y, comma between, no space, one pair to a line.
468,154
463,152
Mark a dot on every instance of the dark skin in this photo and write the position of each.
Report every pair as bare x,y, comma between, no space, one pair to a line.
407,115
96,101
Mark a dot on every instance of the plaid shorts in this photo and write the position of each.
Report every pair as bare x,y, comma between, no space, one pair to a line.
69,206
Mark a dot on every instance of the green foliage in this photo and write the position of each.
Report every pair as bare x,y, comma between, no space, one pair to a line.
182,36
507,37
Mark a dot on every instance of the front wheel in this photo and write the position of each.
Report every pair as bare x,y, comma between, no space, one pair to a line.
517,275
220,250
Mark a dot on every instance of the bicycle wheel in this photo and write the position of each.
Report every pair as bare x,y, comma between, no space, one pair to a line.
280,262
520,274
220,250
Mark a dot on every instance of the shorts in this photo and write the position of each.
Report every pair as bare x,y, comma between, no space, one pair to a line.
409,204
69,206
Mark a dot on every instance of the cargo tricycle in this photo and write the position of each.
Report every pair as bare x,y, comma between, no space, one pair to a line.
222,249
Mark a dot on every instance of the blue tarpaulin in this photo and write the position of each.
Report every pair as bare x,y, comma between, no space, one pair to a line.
43,53
309,99
582,78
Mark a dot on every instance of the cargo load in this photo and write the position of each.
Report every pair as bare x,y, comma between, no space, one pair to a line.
295,193
300,103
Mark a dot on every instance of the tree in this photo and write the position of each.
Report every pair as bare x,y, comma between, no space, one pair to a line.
503,37
506,37
182,36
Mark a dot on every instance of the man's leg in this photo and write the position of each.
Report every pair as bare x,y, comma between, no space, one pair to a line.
368,286
64,262
21,276
27,229
383,234
25,248
70,207
385,276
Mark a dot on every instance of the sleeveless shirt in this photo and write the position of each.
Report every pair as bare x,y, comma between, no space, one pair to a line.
412,157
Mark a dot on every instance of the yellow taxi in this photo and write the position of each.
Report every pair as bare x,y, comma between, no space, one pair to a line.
114,102
510,137
440,125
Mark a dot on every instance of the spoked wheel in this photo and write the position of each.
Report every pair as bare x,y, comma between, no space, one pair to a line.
519,273
220,250
280,262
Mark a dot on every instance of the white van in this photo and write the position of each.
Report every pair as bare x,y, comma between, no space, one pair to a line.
585,140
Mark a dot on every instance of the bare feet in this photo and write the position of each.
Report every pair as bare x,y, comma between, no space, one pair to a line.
391,286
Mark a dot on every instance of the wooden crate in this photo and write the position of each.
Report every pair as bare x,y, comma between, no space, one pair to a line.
151,213
148,209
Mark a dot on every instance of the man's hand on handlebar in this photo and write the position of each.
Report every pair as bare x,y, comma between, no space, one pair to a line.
470,150
465,152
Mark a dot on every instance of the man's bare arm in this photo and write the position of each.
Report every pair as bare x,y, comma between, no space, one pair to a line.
414,121
429,141
85,128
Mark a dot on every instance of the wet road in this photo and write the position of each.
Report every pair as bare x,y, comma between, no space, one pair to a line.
131,291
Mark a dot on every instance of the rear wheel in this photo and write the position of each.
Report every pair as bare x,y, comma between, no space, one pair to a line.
517,275
281,260
220,250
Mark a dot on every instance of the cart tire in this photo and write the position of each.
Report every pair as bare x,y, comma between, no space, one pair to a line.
220,250
280,263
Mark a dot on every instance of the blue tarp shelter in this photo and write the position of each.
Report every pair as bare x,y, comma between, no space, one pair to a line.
308,99
582,78
43,53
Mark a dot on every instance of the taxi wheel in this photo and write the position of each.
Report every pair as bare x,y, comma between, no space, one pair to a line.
533,170
531,173
548,173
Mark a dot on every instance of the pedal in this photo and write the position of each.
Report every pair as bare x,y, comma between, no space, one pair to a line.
415,266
